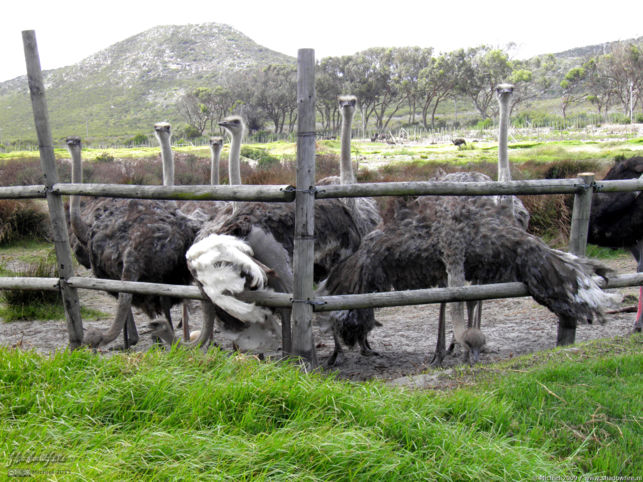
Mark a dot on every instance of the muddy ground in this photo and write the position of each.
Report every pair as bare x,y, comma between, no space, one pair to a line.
405,342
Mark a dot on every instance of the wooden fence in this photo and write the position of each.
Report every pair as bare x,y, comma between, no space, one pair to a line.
302,300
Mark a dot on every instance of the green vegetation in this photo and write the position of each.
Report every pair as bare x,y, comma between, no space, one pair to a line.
186,414
22,219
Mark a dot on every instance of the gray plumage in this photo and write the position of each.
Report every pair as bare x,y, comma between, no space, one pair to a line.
475,238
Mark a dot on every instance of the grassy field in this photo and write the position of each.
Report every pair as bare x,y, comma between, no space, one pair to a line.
188,415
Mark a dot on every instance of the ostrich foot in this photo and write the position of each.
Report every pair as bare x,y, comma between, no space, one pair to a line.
438,358
336,358
368,352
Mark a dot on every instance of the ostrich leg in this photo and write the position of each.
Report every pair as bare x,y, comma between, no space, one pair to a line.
566,331
440,347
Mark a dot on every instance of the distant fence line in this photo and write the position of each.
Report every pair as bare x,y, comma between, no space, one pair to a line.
546,130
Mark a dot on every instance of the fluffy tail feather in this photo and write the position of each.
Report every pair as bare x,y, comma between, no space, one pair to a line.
224,267
564,283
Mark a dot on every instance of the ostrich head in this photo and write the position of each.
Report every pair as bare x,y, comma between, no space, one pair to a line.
347,103
504,92
473,341
234,125
216,142
163,131
73,142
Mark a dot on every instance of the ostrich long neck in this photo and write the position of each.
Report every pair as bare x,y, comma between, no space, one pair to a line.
79,226
345,168
234,160
168,160
214,163
504,172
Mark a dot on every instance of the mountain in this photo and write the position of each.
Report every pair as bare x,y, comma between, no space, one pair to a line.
133,83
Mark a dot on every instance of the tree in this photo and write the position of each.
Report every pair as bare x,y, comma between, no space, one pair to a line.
625,70
329,81
598,84
438,81
194,109
483,68
410,62
573,88
204,106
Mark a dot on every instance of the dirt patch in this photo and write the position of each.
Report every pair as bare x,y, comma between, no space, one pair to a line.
405,341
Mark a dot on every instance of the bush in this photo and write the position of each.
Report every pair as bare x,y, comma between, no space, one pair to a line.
104,157
262,156
570,168
484,124
137,140
22,220
34,304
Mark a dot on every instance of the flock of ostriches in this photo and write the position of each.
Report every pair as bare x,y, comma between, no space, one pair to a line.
432,241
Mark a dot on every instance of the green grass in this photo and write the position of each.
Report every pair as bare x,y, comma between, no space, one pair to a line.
188,415
44,312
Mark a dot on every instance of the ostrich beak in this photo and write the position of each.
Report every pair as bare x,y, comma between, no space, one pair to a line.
474,356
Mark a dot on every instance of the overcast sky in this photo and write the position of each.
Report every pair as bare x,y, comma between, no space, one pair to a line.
67,31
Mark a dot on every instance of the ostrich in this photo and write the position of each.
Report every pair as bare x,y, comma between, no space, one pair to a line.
131,240
252,248
446,240
203,211
518,211
92,209
364,210
216,143
236,128
616,219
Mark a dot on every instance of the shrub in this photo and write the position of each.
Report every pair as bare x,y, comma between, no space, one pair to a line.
138,140
34,304
484,124
550,216
22,219
262,156
570,168
104,157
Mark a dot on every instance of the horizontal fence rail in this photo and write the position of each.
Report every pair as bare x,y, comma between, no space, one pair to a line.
428,188
245,192
286,193
23,192
320,303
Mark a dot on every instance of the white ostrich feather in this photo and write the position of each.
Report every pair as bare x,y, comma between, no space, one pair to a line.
220,264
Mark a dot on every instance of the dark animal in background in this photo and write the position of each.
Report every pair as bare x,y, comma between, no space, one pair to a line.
616,219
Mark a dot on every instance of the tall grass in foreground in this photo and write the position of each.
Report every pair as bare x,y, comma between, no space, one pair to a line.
184,414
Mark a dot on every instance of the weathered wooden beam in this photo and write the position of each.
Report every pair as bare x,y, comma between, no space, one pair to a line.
265,298
54,201
580,216
206,192
428,188
439,295
23,192
619,185
29,283
303,255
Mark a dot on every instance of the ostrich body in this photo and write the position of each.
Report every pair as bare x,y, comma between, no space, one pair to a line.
131,240
616,219
252,248
439,241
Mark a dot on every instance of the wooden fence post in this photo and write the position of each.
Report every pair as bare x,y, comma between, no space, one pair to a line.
580,216
303,256
54,201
